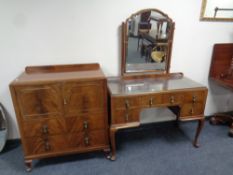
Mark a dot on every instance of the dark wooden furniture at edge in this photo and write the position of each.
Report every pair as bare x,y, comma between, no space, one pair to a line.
61,110
221,72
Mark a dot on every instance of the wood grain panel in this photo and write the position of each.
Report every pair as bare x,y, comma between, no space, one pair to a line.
172,98
40,127
190,109
194,96
40,145
150,100
125,116
39,101
90,139
83,97
87,122
125,102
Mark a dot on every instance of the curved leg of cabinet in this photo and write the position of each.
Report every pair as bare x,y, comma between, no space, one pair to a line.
107,153
28,164
198,131
113,143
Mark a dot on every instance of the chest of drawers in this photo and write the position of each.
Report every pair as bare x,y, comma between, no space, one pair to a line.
61,110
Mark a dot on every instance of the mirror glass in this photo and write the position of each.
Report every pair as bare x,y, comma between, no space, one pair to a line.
147,41
3,128
217,10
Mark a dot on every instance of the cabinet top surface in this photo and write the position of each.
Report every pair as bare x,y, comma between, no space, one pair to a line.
118,86
59,73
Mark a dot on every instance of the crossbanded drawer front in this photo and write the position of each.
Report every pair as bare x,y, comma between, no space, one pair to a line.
150,100
195,97
42,127
88,122
125,102
88,139
125,116
190,109
172,99
49,144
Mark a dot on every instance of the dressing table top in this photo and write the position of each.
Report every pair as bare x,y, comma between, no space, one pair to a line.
120,86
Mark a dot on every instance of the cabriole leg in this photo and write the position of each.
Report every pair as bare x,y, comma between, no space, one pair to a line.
113,143
107,153
198,131
28,164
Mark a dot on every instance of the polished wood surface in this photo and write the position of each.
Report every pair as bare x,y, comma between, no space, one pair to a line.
61,68
221,72
46,75
221,60
128,97
61,110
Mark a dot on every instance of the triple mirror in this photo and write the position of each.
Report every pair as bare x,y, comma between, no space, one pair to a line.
217,10
147,42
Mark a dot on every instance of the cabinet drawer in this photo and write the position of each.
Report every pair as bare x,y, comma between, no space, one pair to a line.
89,139
83,97
50,144
86,123
150,100
172,98
190,109
39,101
125,102
193,97
125,116
42,127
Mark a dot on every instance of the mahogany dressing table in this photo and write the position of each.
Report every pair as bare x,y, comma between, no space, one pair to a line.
144,84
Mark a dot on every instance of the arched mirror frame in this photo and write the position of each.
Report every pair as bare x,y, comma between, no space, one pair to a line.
124,44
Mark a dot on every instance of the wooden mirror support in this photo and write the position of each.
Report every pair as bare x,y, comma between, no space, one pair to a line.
147,38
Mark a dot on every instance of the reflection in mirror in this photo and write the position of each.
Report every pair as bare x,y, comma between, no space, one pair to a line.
147,42
3,128
217,10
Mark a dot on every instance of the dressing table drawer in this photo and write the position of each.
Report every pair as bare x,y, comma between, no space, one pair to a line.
125,102
125,116
172,98
195,96
150,100
190,109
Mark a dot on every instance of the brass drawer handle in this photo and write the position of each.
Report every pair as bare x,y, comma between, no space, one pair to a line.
64,101
45,129
47,146
191,111
172,99
86,141
151,101
126,104
194,99
126,117
85,125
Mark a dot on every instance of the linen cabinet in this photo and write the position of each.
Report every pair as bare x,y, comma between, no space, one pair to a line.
61,109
